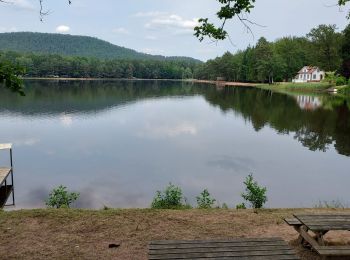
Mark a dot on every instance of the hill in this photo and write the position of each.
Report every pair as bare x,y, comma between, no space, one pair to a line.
72,45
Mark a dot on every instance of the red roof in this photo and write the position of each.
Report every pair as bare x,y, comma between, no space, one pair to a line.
310,70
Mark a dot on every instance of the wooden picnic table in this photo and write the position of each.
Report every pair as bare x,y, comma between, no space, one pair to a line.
238,249
320,225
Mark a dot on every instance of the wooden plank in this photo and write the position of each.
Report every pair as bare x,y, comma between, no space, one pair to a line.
5,146
329,227
307,237
292,221
333,250
221,254
277,257
4,172
240,240
217,249
211,245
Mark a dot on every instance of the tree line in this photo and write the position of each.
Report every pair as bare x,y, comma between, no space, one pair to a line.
53,65
323,46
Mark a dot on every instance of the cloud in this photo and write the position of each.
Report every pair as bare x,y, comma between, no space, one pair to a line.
66,120
4,29
172,21
31,141
153,51
149,14
62,29
121,30
151,37
21,4
184,128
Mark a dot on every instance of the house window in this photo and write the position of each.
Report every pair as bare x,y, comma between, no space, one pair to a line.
301,76
314,76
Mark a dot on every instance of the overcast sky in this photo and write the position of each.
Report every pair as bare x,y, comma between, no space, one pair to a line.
166,26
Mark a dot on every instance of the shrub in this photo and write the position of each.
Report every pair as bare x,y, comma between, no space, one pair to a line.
170,198
255,194
241,206
61,198
224,206
204,200
340,81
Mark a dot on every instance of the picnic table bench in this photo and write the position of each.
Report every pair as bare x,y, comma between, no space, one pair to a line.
245,248
320,225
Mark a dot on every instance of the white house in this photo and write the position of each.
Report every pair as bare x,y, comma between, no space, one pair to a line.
309,74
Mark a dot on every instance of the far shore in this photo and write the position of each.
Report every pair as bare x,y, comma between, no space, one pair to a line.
87,234
318,87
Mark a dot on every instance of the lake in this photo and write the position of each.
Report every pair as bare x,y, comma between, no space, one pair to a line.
118,142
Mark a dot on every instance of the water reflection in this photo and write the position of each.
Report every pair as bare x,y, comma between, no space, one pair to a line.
118,142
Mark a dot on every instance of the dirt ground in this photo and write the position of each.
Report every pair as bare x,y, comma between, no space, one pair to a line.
86,234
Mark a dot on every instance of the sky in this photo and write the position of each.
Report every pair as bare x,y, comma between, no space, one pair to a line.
165,27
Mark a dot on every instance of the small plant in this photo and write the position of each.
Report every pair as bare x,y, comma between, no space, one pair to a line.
334,204
170,198
241,206
255,194
61,198
224,206
204,200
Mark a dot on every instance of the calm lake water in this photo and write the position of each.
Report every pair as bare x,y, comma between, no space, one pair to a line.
118,142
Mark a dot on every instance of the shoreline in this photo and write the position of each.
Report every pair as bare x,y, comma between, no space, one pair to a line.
86,234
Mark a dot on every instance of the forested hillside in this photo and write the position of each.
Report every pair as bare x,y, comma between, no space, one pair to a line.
53,65
71,45
267,61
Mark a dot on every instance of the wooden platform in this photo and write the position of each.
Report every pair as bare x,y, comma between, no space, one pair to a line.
256,248
4,173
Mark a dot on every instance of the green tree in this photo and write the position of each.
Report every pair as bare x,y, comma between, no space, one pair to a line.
326,44
10,76
345,53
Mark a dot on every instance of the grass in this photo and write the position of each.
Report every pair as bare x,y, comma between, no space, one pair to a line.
300,87
86,234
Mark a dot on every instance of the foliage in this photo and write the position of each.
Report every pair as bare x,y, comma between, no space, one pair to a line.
241,206
74,46
281,60
255,194
47,65
326,46
335,79
230,9
334,204
170,198
9,76
205,201
61,198
224,206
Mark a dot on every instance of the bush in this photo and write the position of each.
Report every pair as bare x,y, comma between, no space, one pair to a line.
340,81
224,206
255,194
61,198
170,198
205,201
241,206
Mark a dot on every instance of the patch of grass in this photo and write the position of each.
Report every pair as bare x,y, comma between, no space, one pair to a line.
86,234
303,87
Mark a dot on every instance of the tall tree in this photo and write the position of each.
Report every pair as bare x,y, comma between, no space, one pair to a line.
326,42
345,53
